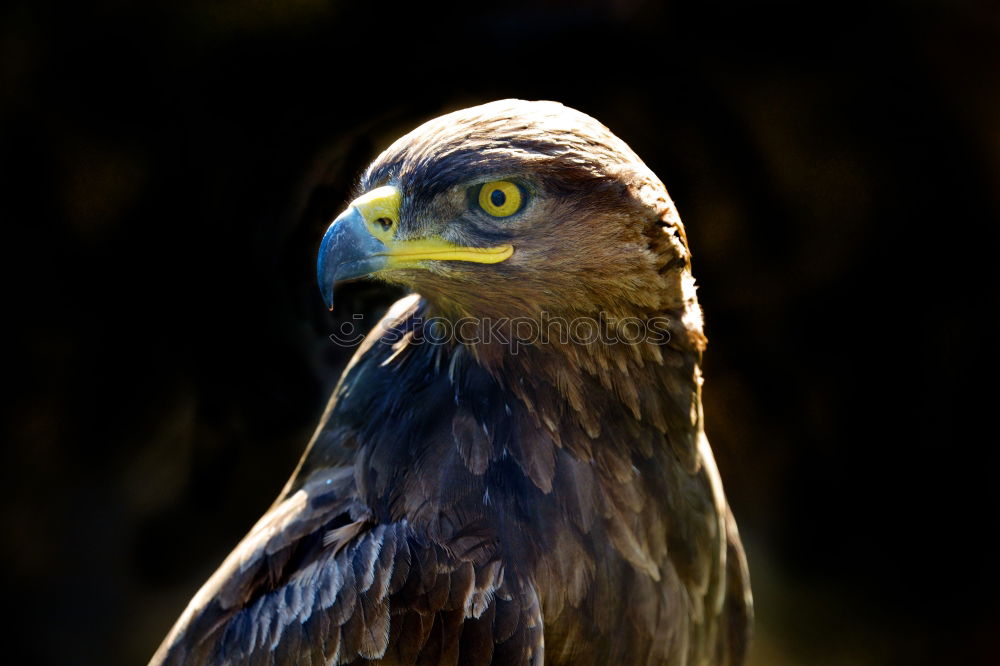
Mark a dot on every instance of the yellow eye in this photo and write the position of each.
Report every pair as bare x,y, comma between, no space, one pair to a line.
501,198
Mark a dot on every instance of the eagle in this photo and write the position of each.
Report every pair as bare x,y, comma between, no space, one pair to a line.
513,467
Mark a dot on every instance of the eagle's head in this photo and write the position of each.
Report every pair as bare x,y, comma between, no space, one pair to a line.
509,209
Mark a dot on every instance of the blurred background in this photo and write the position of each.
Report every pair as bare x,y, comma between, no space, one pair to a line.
168,169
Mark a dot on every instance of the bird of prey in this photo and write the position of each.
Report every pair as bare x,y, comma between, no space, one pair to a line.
484,488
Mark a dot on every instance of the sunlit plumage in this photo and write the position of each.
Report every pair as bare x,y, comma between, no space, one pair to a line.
496,495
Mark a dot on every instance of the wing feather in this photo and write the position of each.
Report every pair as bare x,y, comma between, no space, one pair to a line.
290,594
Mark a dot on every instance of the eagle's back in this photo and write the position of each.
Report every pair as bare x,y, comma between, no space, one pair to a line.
434,520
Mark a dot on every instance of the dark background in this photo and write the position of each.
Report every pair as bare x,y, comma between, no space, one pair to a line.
168,169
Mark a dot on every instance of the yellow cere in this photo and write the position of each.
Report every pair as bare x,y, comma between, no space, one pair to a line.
380,208
500,198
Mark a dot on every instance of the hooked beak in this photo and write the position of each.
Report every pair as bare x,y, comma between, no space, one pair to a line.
348,252
361,242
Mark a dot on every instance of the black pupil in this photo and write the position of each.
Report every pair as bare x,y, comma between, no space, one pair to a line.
498,198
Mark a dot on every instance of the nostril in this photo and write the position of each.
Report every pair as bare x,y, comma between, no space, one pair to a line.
384,222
